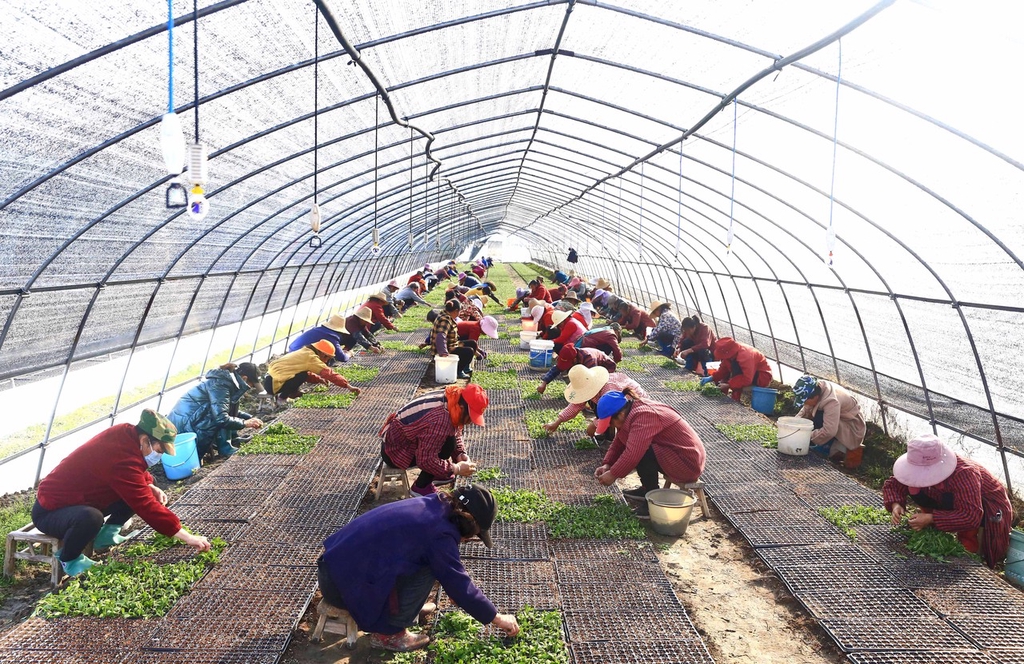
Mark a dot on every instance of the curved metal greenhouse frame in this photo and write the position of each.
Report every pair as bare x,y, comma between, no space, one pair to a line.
812,179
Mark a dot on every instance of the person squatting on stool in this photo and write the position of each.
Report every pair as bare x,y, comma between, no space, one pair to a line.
382,566
427,432
651,438
107,476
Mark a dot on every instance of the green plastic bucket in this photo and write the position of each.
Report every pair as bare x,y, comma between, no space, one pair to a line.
1015,559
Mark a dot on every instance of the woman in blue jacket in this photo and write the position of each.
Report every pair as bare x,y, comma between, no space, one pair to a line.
382,566
210,409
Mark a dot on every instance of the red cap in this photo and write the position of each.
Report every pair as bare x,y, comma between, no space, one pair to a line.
476,399
566,357
602,425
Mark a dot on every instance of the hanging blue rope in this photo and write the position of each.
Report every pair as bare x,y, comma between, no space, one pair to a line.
170,56
830,235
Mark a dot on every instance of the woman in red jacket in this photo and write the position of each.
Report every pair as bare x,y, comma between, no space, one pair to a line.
107,476
695,344
742,366
565,329
538,291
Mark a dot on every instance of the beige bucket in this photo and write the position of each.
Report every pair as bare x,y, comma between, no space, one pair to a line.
670,511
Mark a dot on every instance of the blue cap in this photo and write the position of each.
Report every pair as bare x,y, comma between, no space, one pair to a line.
610,404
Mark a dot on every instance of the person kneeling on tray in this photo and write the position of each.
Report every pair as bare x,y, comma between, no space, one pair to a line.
382,566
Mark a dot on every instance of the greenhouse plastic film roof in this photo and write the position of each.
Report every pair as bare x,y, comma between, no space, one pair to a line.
704,152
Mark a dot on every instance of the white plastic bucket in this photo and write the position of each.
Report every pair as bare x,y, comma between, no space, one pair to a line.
445,369
794,435
525,312
525,339
541,352
670,511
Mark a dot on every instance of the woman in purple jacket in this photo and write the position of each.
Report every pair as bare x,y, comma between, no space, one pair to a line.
382,566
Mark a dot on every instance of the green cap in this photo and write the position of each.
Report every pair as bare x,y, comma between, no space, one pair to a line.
157,426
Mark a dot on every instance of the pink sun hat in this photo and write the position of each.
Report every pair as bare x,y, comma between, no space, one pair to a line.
489,326
927,462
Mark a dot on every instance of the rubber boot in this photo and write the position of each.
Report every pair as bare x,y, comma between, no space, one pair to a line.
108,536
77,566
428,490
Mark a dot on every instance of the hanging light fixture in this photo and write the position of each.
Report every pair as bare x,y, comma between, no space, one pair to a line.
172,139
198,174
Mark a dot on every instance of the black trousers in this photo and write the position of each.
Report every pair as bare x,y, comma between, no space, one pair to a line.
77,525
291,388
648,470
466,353
425,478
410,593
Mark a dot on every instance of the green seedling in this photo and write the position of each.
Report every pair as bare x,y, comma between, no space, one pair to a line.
683,385
278,429
401,346
278,444
848,516
488,474
354,373
934,543
498,359
496,380
765,434
458,639
585,444
521,505
321,397
711,390
536,419
631,364
607,518
134,589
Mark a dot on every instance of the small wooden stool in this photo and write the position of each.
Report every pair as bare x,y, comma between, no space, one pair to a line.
698,489
265,402
386,474
335,621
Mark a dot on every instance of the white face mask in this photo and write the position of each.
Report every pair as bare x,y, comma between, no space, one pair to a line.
153,458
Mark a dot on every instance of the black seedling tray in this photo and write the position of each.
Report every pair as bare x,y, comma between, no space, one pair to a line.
189,513
607,570
215,656
213,496
792,534
927,657
864,603
629,625
507,549
78,634
959,601
273,578
267,553
817,555
641,652
587,550
894,633
510,572
830,575
650,596
989,631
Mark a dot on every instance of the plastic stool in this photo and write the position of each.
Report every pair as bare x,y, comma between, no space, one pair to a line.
335,621
386,473
698,489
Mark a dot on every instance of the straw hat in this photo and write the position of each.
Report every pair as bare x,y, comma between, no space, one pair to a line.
383,297
559,317
603,283
655,305
572,297
336,323
364,314
584,383
927,462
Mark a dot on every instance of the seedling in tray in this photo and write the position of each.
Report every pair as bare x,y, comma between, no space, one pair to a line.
488,474
607,518
354,373
459,638
848,516
278,439
321,397
498,359
765,434
496,380
133,589
934,543
536,419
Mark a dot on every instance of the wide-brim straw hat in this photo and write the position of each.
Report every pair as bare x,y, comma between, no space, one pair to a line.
571,296
927,462
364,314
559,317
655,305
603,284
584,383
383,297
336,323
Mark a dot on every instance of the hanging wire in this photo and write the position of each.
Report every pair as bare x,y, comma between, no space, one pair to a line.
195,60
316,101
376,159
170,56
679,201
732,194
411,186
830,235
640,232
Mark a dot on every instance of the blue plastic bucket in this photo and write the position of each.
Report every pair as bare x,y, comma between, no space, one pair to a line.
541,354
1015,559
185,459
763,400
